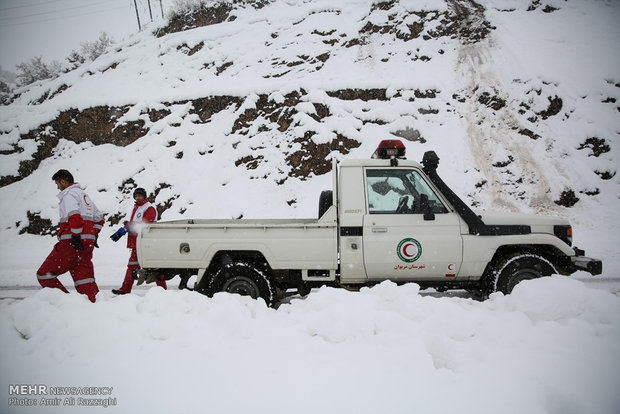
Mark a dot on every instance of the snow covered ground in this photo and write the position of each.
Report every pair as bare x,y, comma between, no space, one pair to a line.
550,347
553,346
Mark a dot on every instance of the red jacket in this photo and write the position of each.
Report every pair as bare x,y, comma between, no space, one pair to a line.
143,212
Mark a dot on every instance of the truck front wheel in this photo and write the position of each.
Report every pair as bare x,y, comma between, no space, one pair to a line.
520,267
243,279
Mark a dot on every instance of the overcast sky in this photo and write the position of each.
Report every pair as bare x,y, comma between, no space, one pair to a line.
52,28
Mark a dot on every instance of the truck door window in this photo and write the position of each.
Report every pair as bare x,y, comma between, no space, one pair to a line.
398,191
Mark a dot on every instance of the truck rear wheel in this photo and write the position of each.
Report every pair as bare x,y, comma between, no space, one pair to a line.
243,279
518,268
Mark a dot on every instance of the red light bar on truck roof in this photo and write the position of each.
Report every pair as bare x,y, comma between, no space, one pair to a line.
389,148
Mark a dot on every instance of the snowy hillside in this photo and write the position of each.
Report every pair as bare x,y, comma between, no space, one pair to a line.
520,115
240,118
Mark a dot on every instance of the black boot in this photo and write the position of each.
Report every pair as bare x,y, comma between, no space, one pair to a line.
119,292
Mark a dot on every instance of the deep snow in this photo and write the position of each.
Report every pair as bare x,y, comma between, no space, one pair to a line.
550,347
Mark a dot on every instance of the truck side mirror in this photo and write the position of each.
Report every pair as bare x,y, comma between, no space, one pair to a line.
426,208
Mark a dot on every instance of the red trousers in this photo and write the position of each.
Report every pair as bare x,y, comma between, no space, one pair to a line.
78,263
134,266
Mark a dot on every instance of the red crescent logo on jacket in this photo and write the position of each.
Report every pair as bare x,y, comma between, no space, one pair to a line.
86,201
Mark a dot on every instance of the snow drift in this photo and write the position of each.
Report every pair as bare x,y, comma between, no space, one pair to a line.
550,347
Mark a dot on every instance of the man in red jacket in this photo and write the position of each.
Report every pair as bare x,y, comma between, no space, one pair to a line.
143,212
80,224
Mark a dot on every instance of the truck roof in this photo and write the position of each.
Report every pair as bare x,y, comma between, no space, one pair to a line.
378,163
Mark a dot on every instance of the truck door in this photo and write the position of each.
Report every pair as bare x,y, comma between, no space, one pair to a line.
409,233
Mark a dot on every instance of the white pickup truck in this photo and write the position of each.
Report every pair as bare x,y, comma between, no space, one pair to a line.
386,218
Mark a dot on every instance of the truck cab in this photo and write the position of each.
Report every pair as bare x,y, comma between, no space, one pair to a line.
395,224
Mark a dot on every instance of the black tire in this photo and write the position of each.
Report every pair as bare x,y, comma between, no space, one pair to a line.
243,279
325,201
520,267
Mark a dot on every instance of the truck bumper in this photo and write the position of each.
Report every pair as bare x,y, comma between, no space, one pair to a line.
590,265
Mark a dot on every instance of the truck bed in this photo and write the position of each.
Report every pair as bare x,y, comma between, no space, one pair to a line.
304,244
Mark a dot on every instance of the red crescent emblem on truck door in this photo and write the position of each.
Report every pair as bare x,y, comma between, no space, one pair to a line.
409,250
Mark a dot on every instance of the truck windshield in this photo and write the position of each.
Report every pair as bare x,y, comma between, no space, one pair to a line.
399,191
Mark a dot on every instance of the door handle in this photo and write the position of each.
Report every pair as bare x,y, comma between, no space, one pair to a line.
379,229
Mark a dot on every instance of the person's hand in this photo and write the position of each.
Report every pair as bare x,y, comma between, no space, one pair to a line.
76,243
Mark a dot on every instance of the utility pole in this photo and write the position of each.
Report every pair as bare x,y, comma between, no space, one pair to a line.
150,12
137,15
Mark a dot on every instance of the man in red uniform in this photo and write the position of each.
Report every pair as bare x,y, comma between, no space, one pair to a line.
143,212
80,223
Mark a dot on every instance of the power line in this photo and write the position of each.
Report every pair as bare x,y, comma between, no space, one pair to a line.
28,5
60,17
53,11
